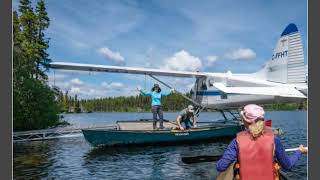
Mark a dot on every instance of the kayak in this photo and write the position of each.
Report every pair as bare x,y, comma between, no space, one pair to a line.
141,132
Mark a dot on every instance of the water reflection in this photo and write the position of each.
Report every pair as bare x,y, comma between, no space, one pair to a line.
74,158
32,159
151,162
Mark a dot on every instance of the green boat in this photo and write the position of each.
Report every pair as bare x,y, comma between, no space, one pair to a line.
140,132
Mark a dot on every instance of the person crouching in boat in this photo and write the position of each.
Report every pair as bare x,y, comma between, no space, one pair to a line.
185,117
156,96
257,150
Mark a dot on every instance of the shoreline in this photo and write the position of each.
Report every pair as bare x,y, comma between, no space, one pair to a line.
163,111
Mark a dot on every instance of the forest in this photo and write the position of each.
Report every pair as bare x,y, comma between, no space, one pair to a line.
139,103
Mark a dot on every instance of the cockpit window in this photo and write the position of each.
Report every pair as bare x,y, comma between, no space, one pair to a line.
203,85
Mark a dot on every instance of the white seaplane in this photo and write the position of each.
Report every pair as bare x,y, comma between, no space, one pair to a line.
283,79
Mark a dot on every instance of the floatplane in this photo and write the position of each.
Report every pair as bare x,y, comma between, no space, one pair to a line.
282,80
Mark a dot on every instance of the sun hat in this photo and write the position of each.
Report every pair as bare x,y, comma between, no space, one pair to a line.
156,86
191,108
252,112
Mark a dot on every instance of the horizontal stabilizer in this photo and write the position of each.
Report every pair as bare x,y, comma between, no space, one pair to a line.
122,69
268,91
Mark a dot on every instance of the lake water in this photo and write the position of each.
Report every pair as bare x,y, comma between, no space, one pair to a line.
74,158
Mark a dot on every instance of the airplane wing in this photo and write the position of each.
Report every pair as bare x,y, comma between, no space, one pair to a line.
120,69
271,91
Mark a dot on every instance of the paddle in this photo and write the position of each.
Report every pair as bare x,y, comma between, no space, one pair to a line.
199,159
170,122
294,149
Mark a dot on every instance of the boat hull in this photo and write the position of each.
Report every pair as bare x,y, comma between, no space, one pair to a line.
107,137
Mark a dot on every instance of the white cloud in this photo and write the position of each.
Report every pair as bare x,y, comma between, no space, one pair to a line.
104,84
116,85
76,81
61,84
75,90
114,56
241,54
180,84
96,92
74,86
64,85
112,86
183,61
211,60
56,76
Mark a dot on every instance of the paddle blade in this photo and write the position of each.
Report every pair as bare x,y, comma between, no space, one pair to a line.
198,159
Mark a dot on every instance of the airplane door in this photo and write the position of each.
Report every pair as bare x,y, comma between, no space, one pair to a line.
202,89
194,90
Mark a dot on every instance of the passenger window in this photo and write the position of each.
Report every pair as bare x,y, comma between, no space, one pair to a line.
223,95
210,82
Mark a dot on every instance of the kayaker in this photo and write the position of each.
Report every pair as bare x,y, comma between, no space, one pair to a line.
185,117
256,149
156,109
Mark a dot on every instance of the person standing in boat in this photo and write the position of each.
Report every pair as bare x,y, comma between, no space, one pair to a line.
256,149
185,117
156,109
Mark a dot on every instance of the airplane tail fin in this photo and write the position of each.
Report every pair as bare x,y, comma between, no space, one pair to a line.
287,62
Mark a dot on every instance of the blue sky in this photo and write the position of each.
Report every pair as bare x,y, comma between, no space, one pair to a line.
212,35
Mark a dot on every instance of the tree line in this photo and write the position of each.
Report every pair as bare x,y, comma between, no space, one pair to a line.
173,102
139,103
68,103
34,102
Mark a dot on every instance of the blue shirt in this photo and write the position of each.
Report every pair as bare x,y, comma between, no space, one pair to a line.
155,96
284,161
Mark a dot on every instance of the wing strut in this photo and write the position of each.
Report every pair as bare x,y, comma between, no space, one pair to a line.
189,99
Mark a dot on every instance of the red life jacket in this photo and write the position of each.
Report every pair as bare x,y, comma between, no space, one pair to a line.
255,156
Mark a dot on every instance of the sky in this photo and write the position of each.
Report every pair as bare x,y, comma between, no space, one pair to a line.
187,35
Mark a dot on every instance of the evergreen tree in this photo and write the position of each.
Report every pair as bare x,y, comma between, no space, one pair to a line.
77,108
29,31
43,21
66,102
16,29
18,72
17,54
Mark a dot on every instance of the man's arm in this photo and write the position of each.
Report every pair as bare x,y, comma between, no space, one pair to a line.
179,122
194,121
